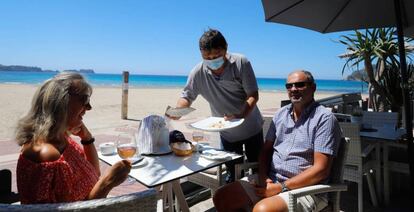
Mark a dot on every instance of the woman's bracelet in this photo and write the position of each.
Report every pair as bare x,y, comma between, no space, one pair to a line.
87,142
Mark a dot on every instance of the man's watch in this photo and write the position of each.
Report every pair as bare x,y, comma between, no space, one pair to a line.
284,187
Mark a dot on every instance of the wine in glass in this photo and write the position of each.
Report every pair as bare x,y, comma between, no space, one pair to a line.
197,137
127,148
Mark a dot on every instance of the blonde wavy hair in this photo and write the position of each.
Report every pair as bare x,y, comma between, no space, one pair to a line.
48,115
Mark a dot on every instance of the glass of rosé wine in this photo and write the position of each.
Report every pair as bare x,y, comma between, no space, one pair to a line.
127,149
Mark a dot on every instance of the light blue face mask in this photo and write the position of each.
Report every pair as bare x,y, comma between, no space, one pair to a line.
215,63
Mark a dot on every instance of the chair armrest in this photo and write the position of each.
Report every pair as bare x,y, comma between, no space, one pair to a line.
142,201
244,166
317,189
314,189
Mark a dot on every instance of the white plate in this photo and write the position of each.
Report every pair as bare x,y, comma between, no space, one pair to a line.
216,124
213,154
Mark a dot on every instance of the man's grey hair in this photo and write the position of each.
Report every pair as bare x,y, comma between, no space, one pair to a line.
48,116
308,75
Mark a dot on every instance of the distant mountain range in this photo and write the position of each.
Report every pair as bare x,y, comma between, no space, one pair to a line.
37,69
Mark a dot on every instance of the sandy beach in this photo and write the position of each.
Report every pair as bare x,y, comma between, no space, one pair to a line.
15,101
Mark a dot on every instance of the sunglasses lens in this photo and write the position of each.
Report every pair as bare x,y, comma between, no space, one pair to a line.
296,84
300,84
87,100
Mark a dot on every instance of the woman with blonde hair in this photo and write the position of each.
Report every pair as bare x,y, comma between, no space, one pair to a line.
52,166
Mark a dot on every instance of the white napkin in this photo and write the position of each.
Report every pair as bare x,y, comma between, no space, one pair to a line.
213,154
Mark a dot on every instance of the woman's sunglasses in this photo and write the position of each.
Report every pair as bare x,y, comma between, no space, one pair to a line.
296,84
84,98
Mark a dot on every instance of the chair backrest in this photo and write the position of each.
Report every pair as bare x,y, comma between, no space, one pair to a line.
139,201
379,119
266,124
337,169
342,117
351,131
342,101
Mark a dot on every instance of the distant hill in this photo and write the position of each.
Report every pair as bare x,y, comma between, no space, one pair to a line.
358,75
23,69
37,69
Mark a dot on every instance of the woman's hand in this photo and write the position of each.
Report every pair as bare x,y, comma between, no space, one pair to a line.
82,131
115,176
118,173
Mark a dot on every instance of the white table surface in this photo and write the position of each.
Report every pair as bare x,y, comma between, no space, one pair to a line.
384,133
157,170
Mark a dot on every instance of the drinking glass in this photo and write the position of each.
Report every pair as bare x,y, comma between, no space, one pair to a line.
127,148
197,137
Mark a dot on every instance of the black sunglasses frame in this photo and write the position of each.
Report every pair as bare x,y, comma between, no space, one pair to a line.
296,84
85,98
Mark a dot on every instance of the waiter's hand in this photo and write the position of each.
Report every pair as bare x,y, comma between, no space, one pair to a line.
228,117
173,117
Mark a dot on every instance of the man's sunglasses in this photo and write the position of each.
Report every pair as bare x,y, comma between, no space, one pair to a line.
296,84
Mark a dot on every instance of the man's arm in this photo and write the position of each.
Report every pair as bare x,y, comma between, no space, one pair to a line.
265,158
251,101
319,171
181,103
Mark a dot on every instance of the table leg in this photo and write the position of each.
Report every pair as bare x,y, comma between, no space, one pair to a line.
182,203
378,171
386,175
167,197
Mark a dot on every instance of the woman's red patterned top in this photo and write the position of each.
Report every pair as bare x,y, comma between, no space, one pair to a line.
68,179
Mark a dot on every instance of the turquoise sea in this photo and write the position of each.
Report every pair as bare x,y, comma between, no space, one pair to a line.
158,81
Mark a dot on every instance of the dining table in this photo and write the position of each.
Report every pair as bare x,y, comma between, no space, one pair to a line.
383,138
165,171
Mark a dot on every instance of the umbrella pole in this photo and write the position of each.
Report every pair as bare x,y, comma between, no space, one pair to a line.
406,98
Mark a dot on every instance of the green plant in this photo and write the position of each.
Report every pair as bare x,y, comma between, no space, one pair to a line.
357,112
377,49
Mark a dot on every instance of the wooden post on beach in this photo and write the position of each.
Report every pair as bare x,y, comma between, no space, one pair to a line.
124,106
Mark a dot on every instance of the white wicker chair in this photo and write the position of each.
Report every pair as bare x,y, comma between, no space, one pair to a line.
355,168
139,201
334,188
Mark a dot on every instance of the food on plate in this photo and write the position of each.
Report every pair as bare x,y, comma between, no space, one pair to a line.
218,125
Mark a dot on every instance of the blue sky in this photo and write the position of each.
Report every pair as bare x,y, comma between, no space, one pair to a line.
157,37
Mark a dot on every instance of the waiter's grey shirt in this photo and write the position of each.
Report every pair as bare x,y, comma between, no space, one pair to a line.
227,94
316,130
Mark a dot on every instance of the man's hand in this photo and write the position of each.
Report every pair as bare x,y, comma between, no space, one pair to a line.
232,116
271,189
173,117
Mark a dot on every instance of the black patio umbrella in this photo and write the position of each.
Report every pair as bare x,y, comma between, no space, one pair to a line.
340,15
